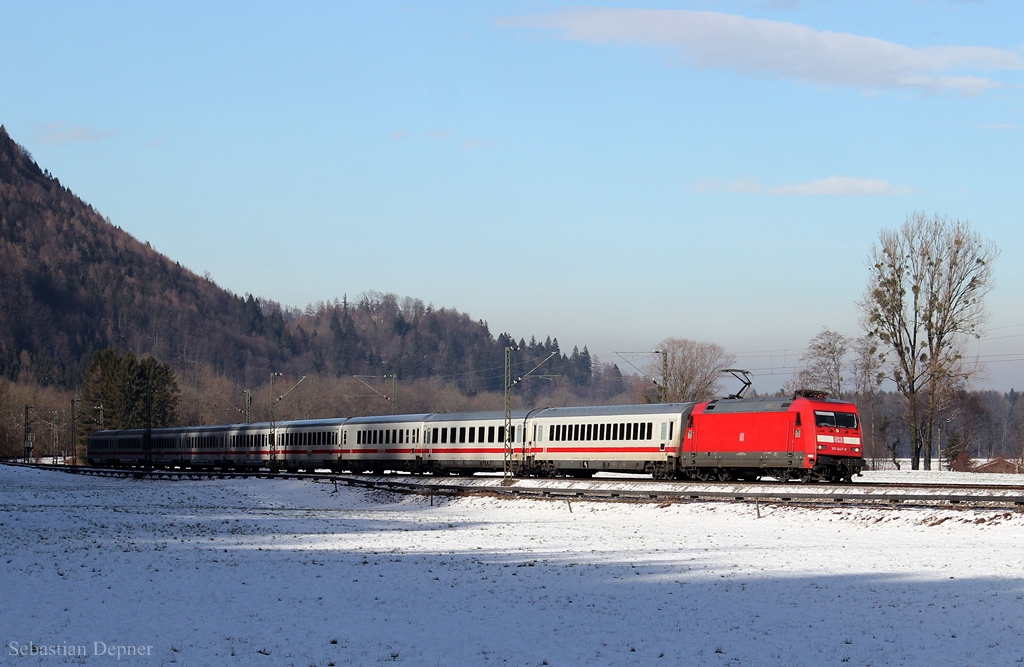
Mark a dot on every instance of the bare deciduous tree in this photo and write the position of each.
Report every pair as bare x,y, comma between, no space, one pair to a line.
694,369
822,364
867,376
925,297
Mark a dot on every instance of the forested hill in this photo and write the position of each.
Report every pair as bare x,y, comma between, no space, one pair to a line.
72,283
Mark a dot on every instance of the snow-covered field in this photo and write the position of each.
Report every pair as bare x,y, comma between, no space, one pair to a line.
259,572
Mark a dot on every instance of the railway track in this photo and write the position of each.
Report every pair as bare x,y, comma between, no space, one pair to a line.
617,489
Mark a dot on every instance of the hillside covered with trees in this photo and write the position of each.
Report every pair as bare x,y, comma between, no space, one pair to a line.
74,284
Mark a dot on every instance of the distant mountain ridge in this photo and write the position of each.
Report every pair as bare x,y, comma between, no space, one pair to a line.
72,283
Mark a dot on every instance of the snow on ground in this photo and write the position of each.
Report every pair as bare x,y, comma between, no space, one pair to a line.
286,572
940,477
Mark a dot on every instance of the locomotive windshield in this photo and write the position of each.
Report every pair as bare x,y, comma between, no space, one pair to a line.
840,419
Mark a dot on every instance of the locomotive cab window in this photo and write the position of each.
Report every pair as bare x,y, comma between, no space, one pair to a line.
835,419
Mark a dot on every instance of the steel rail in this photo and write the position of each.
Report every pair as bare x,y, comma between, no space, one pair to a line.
890,494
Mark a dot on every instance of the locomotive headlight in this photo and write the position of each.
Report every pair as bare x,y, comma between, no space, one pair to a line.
856,449
820,447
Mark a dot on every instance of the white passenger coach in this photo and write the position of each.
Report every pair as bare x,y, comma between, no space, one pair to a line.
549,441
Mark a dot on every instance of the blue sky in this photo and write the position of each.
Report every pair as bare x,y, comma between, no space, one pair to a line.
608,173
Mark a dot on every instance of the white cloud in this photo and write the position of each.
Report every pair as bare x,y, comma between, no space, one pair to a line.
833,186
782,50
62,133
398,135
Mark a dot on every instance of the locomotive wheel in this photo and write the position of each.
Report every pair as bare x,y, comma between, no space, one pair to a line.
782,476
702,474
724,475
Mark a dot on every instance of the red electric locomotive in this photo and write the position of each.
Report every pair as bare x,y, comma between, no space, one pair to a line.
808,438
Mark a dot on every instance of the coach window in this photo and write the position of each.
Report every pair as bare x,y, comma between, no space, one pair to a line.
501,434
576,431
490,434
462,434
472,434
588,432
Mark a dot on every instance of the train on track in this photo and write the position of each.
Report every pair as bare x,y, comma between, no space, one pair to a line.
807,437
